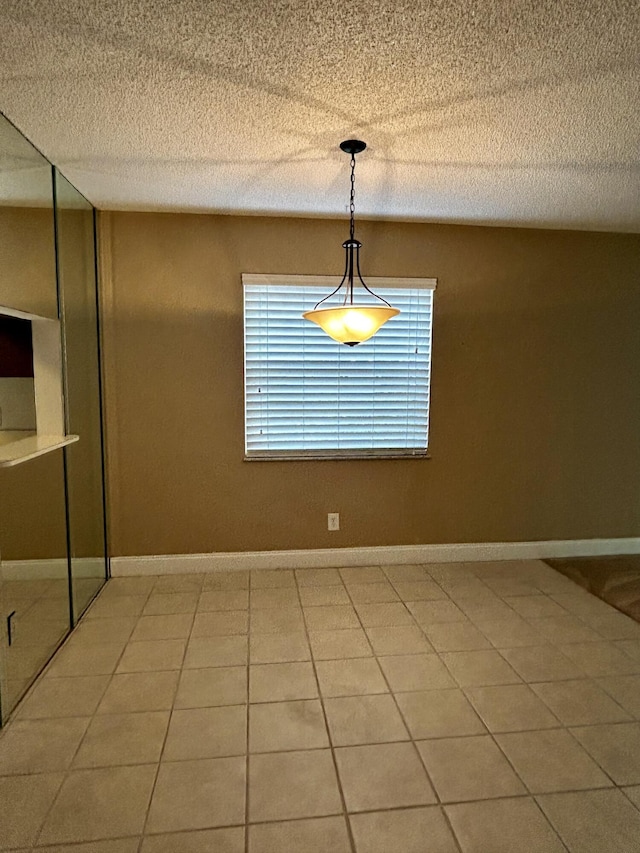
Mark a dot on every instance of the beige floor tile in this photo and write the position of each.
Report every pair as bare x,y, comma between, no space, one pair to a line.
564,629
625,689
503,826
198,795
201,688
509,633
279,648
633,792
74,644
333,645
228,840
226,580
113,739
64,697
550,761
383,776
423,590
160,604
131,586
272,578
118,845
372,593
483,609
614,626
616,748
152,655
277,620
25,803
536,606
511,708
384,615
206,733
510,587
469,768
293,784
174,626
140,691
398,640
580,703
581,603
40,746
364,719
406,830
541,663
456,637
331,617
351,677
86,660
416,672
317,577
600,659
479,669
116,606
178,583
274,682
370,574
594,821
223,599
406,574
220,623
286,596
287,726
630,647
204,652
439,713
430,612
316,596
315,835
106,803
116,629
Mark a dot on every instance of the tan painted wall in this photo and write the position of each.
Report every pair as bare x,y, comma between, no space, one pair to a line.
535,400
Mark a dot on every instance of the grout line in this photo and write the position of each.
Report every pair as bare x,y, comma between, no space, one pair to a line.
345,812
550,644
69,770
166,732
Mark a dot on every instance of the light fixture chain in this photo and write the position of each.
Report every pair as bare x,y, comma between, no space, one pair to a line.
352,205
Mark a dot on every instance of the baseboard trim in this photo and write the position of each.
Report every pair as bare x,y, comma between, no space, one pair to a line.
54,569
373,556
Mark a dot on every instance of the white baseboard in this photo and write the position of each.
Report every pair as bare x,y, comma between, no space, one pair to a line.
375,556
54,569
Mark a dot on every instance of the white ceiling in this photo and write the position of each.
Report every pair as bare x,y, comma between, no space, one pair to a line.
522,112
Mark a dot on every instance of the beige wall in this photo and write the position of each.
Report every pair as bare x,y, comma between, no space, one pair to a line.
535,402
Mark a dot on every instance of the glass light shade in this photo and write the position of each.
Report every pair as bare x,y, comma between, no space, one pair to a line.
351,324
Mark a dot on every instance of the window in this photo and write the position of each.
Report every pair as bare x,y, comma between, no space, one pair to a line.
308,396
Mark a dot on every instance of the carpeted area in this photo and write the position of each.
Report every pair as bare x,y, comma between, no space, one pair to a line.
615,580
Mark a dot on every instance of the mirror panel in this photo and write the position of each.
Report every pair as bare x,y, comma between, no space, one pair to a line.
77,282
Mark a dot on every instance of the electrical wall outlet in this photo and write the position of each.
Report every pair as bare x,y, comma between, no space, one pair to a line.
333,521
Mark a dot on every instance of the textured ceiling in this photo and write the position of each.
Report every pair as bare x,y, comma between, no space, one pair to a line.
521,112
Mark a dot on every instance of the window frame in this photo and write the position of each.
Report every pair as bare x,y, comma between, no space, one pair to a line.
330,282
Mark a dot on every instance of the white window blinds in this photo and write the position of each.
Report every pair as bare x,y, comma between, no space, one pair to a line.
308,396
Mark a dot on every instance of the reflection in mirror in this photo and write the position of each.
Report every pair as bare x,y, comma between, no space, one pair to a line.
34,596
77,282
17,389
27,258
34,602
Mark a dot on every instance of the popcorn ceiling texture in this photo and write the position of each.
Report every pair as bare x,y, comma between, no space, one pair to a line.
520,112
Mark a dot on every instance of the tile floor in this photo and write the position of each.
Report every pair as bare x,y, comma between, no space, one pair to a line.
469,708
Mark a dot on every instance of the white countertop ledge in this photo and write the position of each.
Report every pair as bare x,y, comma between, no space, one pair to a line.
24,449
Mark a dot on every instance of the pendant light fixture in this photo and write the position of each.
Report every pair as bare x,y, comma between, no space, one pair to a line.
351,322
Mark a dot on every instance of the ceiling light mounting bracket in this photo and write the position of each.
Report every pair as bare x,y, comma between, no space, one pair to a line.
352,324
